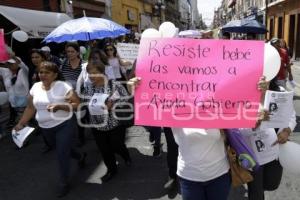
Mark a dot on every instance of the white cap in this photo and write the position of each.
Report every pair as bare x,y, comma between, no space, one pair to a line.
46,49
11,61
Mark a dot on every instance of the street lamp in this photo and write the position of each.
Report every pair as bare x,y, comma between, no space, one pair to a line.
159,6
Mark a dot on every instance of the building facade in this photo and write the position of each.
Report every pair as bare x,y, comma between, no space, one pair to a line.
41,5
89,8
283,21
185,14
172,13
195,18
282,18
135,15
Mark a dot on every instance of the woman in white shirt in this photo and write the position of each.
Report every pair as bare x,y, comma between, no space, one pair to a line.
117,64
19,89
202,165
265,145
52,102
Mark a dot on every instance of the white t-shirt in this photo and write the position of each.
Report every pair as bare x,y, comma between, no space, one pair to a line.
202,154
42,98
261,143
115,63
20,88
6,75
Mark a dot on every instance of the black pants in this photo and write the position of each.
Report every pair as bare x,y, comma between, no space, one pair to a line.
109,143
172,153
62,137
267,178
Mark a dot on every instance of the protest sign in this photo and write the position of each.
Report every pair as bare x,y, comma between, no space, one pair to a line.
128,51
198,83
3,52
280,107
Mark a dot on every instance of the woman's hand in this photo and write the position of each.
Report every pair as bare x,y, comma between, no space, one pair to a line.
283,136
109,104
262,84
133,83
263,115
53,107
18,127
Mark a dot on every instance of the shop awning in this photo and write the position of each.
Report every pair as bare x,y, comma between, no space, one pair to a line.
37,24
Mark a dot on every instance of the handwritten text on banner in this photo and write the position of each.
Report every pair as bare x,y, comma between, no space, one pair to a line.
198,83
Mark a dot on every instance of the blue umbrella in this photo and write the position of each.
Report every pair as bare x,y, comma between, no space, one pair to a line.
244,26
86,28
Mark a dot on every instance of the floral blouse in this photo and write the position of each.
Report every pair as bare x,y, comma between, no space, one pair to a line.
104,122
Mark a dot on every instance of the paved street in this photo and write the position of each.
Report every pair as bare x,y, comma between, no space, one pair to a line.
29,174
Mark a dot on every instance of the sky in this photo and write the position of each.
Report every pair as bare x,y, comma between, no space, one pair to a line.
206,8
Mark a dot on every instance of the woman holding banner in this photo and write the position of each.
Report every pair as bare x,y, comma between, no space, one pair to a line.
202,166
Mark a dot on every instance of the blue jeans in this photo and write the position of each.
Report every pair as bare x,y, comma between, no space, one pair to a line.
63,137
216,189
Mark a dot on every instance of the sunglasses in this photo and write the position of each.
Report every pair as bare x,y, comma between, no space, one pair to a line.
109,49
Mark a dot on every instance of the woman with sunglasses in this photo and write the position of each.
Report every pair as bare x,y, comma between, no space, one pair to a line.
117,64
96,55
52,102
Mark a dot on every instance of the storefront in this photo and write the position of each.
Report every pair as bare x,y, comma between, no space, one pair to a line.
37,24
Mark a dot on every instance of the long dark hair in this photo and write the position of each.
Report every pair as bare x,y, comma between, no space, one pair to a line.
40,52
52,67
101,54
273,85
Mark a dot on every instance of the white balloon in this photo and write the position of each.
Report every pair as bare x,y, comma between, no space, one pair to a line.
20,36
289,157
151,33
168,30
272,62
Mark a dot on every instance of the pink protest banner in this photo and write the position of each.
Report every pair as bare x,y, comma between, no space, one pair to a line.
3,52
198,83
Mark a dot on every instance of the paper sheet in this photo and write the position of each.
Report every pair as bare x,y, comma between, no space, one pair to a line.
280,106
20,136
